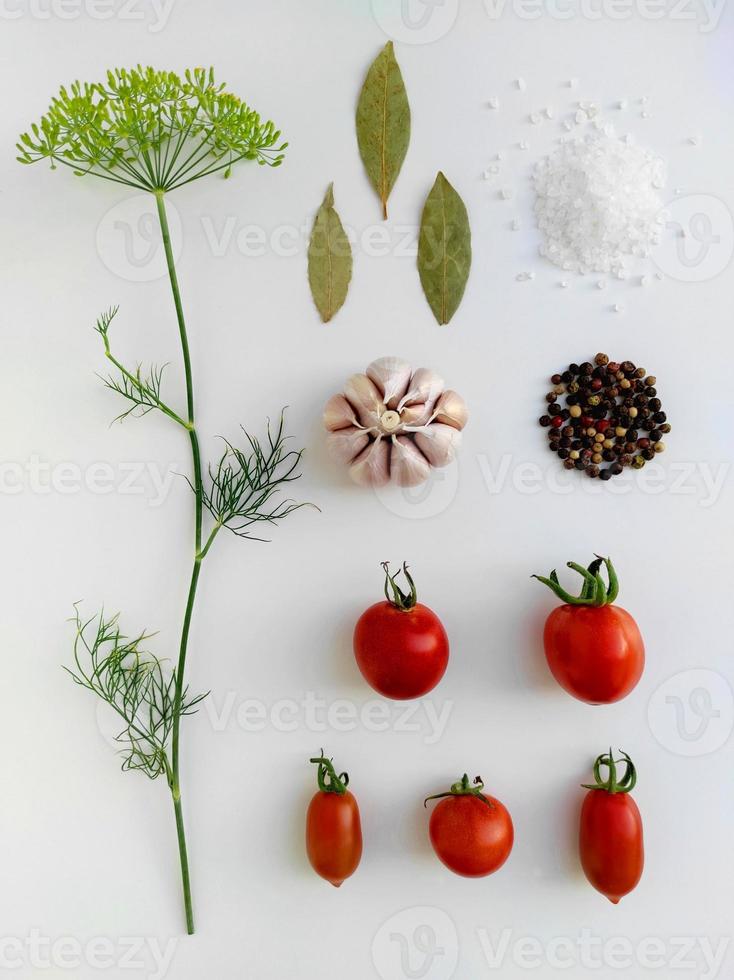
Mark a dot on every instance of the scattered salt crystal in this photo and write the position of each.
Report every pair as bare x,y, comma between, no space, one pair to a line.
563,283
506,193
515,224
677,191
693,140
499,156
618,308
572,82
601,284
580,116
596,202
659,276
494,102
486,175
534,118
522,145
644,280
622,104
521,85
645,114
549,112
525,276
644,100
567,125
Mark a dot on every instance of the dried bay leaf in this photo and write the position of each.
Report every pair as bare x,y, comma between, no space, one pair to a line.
383,123
329,259
444,249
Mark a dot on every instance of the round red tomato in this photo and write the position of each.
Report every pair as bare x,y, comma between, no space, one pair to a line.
333,827
610,837
400,645
471,832
594,649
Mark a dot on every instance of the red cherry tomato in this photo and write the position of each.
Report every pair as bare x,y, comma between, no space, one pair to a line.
333,828
594,649
400,645
610,838
471,832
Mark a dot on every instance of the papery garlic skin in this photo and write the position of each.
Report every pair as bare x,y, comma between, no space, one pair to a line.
392,377
344,445
394,424
365,398
372,467
451,409
408,466
438,443
338,414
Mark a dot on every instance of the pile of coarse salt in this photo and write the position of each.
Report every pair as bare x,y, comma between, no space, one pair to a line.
597,202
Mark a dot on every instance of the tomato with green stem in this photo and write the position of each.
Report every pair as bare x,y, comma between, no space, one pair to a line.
611,843
333,826
471,832
400,645
594,649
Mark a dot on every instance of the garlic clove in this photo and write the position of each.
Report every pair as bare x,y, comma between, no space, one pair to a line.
451,409
372,467
345,445
365,398
338,414
438,443
415,415
408,466
392,376
425,386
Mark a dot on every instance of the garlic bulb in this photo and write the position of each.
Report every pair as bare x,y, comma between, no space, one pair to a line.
393,424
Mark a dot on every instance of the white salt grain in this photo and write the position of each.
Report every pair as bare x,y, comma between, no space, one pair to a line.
521,86
494,102
596,202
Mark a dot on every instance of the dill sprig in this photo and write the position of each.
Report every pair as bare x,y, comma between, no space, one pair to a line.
245,482
151,129
154,131
135,684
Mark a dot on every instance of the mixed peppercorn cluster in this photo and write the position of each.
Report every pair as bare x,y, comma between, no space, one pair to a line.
612,415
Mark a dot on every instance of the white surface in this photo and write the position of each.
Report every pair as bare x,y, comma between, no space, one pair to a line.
89,852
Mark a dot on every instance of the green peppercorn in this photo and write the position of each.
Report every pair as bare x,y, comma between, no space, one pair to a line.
638,462
593,400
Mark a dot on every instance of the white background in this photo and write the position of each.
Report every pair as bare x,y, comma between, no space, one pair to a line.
88,852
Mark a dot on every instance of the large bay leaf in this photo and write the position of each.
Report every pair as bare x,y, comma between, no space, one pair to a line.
444,249
383,123
329,259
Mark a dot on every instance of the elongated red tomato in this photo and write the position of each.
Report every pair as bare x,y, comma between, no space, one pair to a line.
471,832
594,649
610,836
400,645
333,827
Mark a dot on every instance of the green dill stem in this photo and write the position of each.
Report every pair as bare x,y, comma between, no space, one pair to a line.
199,495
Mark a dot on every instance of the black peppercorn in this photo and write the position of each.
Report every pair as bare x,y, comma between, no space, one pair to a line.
615,469
592,470
581,464
655,404
655,435
648,453
605,474
545,420
551,397
556,379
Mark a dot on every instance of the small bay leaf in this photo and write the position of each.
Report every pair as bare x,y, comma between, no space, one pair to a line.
444,249
383,123
329,259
